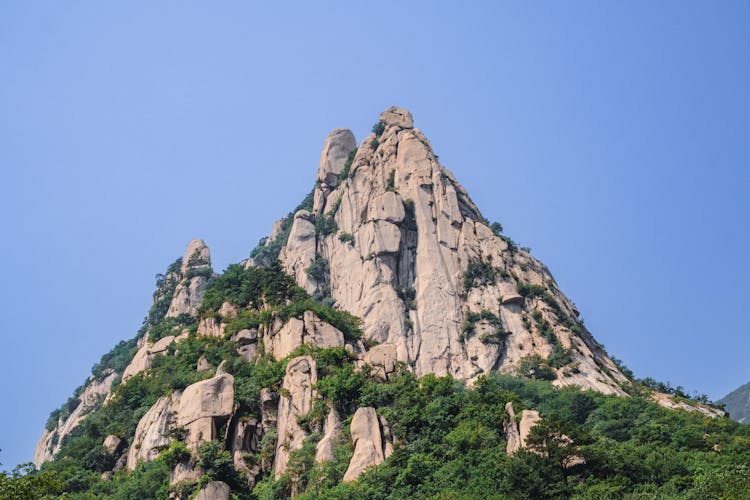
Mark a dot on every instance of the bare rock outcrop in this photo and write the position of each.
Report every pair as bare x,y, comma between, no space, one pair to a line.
215,490
204,406
94,392
413,257
152,433
283,338
195,271
331,432
370,447
296,401
510,428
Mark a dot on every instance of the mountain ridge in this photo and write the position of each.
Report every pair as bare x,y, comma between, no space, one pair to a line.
387,273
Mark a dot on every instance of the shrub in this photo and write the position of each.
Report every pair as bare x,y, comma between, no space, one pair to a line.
479,273
535,367
529,290
346,237
496,228
391,183
378,128
348,165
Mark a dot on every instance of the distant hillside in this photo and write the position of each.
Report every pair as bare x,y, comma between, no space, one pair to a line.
737,403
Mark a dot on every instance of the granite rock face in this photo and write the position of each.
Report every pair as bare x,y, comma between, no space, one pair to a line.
94,392
296,401
413,257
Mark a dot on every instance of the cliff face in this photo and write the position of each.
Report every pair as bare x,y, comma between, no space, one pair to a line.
386,271
394,239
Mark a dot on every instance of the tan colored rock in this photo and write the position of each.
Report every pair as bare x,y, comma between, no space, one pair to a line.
185,473
95,391
331,432
399,117
414,227
269,403
203,364
151,434
111,443
529,418
210,327
289,337
161,345
299,251
215,490
336,149
206,399
296,400
188,295
669,402
368,443
321,334
510,428
387,207
383,359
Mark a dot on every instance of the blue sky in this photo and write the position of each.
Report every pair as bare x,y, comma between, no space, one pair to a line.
610,137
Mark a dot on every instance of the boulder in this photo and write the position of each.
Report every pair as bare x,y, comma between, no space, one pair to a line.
296,401
188,294
368,443
336,148
399,117
111,444
331,432
383,359
151,434
204,406
215,490
510,428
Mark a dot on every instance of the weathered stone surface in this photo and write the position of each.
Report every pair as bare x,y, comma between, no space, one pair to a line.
299,251
510,428
188,295
387,207
383,359
215,490
151,434
331,432
94,392
203,364
414,229
397,116
529,418
321,334
111,443
269,402
336,148
183,472
298,389
208,398
284,338
667,401
368,443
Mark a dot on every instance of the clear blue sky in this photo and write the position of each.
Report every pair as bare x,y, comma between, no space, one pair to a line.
610,137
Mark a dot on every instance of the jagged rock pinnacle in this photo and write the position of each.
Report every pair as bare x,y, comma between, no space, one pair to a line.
337,146
400,117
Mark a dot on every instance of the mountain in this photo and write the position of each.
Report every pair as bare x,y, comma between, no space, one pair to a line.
386,340
737,403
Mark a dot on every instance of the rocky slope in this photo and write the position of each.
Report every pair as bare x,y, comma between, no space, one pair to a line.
737,403
387,272
394,239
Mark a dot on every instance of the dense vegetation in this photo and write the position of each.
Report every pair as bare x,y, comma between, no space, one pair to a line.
449,440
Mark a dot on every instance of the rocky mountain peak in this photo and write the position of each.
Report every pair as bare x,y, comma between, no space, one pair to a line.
197,255
397,241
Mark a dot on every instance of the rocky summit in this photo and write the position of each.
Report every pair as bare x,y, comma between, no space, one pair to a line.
384,341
